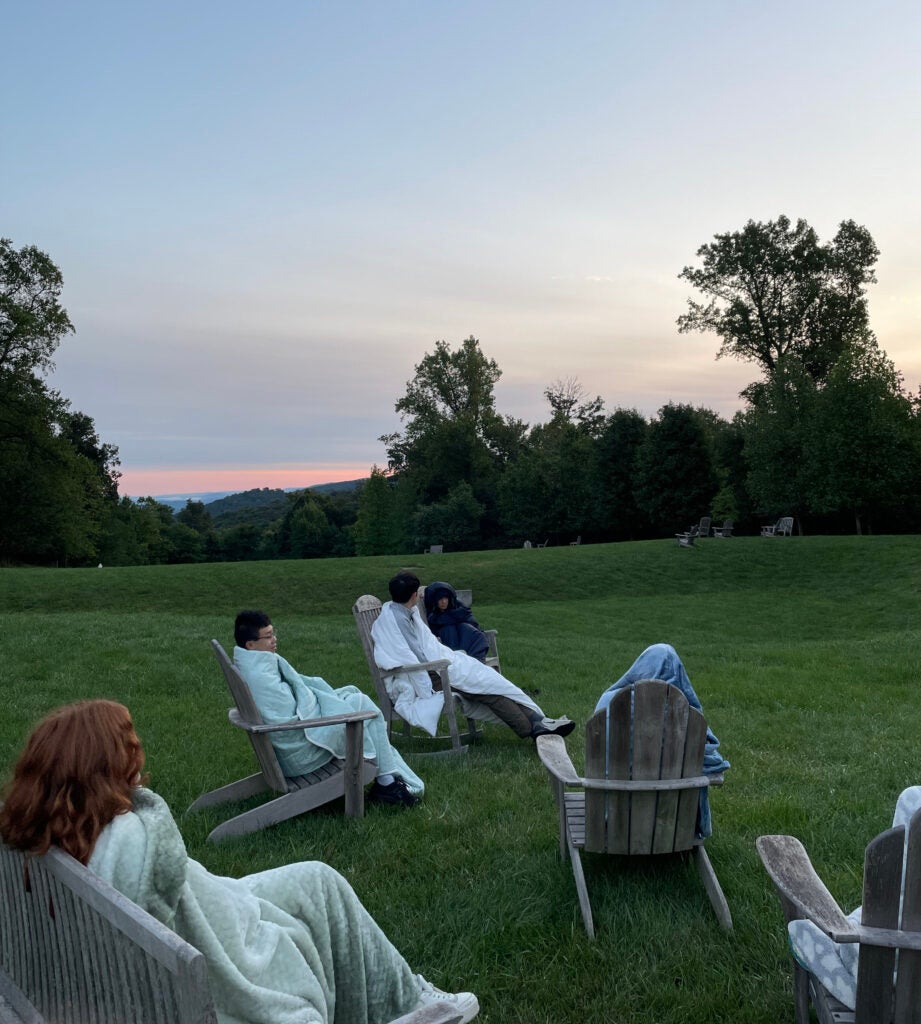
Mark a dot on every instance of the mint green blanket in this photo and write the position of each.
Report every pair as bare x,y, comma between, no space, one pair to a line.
289,946
282,693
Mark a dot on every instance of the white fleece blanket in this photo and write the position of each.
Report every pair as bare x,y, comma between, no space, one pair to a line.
289,946
281,693
412,693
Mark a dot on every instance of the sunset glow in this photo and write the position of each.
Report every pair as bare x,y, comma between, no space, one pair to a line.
178,482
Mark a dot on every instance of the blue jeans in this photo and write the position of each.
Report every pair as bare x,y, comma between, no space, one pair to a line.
661,661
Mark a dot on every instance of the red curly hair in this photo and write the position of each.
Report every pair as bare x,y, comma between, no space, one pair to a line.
76,773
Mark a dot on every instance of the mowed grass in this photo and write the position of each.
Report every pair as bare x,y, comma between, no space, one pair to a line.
804,651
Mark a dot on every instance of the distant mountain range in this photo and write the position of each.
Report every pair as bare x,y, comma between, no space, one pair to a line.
220,503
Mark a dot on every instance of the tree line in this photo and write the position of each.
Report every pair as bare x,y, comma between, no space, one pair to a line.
827,433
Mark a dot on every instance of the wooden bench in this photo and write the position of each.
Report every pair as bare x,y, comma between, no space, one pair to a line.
73,950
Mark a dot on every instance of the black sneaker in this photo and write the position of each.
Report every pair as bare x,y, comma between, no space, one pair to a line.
552,727
396,793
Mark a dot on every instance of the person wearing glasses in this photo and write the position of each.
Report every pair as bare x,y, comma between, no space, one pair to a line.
281,693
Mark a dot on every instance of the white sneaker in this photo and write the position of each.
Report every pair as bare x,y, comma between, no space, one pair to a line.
553,727
464,1003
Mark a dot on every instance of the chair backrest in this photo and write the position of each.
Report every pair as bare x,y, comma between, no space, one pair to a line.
527,544
73,950
891,874
785,526
435,549
704,528
246,706
649,732
365,612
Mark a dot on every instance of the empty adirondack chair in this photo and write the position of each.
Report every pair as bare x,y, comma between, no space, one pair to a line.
435,549
723,531
782,528
338,778
686,539
365,612
640,792
546,542
703,528
575,543
888,986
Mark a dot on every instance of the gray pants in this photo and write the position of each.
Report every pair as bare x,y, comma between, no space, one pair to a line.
517,717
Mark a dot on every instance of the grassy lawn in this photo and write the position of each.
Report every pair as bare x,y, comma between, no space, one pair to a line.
804,651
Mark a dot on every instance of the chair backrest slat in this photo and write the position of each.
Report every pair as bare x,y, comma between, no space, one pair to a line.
246,706
649,732
75,951
365,612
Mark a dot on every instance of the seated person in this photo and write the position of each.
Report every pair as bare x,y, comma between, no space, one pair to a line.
402,638
453,622
293,944
834,964
281,694
661,661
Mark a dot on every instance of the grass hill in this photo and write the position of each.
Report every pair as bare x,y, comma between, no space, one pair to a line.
804,652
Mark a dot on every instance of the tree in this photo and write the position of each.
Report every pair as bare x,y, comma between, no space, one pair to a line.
860,448
455,522
675,481
32,321
618,449
776,293
373,530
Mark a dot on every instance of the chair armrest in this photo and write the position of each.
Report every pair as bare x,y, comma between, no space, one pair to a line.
552,752
786,861
491,633
298,723
419,666
650,785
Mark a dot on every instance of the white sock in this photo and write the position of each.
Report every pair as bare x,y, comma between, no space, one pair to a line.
386,780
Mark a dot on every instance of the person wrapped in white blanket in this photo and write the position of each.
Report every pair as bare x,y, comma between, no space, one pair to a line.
401,638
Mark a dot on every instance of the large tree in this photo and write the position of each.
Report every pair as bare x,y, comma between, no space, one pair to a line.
32,321
775,292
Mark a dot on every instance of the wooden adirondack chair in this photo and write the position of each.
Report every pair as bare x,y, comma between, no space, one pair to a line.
782,528
73,950
335,779
365,611
640,793
723,531
888,989
686,539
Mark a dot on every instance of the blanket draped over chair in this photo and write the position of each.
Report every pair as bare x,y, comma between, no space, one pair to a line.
292,945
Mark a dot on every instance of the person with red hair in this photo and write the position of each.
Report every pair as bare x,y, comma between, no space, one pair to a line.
293,945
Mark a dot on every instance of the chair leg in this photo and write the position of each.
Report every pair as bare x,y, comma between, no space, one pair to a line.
800,994
239,790
712,885
581,890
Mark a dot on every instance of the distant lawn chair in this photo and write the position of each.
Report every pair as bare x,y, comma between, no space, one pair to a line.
703,530
782,528
885,992
527,545
644,760
575,543
686,539
546,542
306,792
435,549
723,531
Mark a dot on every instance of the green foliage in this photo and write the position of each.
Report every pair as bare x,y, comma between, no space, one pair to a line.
455,522
469,885
775,293
675,477
32,321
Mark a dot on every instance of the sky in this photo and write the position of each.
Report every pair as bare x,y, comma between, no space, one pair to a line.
267,214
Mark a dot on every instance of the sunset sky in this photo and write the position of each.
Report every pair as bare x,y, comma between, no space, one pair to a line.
266,214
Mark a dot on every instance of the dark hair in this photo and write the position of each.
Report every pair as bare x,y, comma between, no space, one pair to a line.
247,625
403,586
76,773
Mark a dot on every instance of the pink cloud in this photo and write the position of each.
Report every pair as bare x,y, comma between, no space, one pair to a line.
141,482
